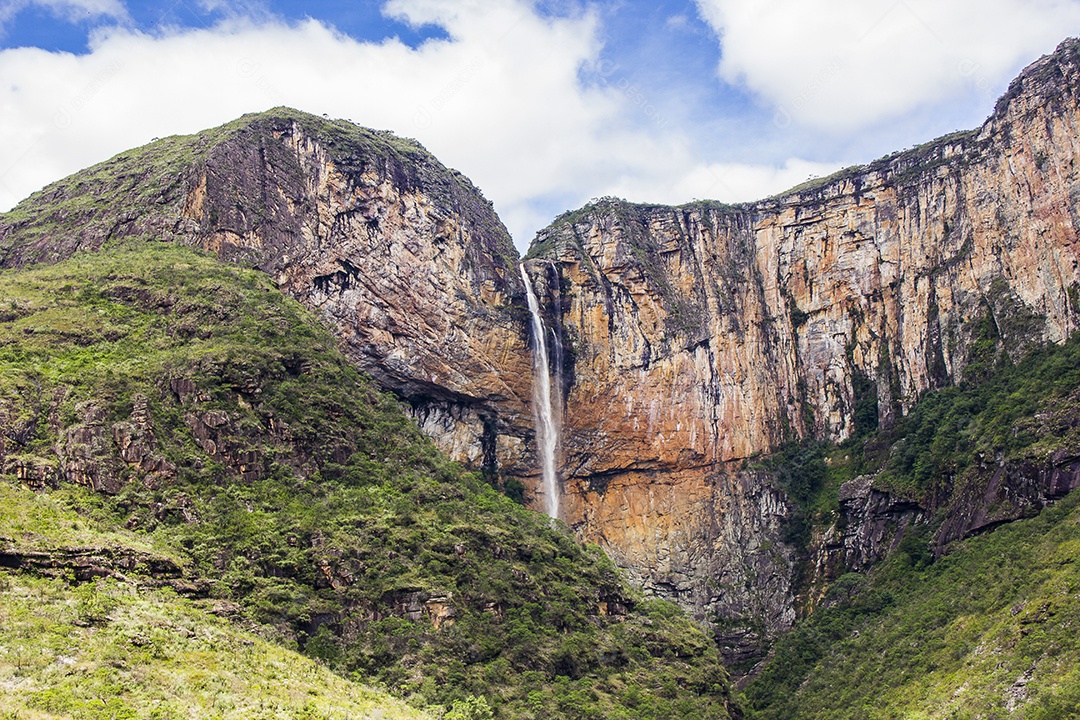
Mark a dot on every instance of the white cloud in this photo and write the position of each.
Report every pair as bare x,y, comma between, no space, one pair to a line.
840,65
677,22
727,182
500,98
237,9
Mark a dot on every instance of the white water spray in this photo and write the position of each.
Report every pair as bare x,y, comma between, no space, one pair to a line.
547,429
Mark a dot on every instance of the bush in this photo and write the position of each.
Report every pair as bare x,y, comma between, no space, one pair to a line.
471,708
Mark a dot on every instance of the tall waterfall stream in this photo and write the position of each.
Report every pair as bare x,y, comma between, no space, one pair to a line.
547,425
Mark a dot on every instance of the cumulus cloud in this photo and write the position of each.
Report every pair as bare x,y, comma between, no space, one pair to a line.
499,95
840,65
500,98
729,182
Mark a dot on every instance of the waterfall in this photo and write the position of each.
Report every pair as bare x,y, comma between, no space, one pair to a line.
547,429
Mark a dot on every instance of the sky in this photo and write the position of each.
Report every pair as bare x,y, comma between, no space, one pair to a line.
544,104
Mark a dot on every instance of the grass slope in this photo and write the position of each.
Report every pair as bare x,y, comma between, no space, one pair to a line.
226,430
111,649
987,631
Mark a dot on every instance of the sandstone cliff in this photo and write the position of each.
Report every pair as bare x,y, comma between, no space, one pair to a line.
404,258
696,338
703,335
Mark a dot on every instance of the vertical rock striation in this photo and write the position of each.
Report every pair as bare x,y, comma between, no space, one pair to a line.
705,334
404,258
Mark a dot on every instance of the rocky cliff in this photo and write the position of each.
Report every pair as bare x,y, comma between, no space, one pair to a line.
704,335
403,257
695,338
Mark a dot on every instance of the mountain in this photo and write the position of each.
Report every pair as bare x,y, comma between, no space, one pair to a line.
984,629
867,374
703,336
402,257
199,445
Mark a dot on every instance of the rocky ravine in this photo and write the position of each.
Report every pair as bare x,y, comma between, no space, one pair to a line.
703,335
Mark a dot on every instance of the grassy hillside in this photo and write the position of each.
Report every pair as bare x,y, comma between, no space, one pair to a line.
987,631
219,425
118,649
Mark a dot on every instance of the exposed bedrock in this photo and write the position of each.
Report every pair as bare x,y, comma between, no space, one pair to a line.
704,335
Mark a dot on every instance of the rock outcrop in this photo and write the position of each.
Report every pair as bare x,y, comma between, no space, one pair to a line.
402,257
872,523
1003,491
703,335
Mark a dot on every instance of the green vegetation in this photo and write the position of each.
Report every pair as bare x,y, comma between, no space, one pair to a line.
986,630
109,649
142,177
233,437
43,522
712,206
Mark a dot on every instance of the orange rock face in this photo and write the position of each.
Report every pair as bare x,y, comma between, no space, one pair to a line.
703,335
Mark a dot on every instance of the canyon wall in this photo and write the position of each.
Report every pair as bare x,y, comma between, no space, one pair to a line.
704,335
696,337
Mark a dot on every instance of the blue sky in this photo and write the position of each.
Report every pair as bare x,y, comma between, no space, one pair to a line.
544,104
66,27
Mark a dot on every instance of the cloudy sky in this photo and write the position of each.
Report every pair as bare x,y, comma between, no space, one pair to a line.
543,103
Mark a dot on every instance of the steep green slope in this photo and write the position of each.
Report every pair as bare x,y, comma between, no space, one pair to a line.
221,424
982,627
121,648
988,630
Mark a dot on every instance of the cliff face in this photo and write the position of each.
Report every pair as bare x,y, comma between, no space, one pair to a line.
694,338
703,335
403,258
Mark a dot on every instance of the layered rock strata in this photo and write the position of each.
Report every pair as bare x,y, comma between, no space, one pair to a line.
704,335
404,258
